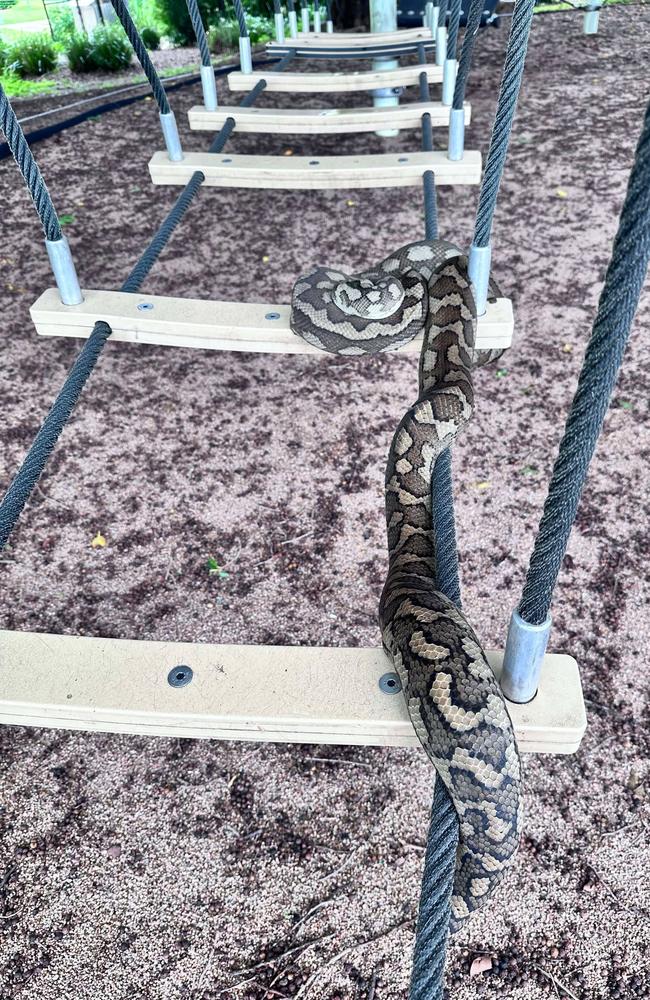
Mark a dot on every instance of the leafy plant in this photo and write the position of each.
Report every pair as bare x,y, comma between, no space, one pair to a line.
107,49
150,37
32,55
4,51
111,49
62,23
224,37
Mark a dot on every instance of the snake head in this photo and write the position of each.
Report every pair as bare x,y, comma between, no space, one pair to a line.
371,295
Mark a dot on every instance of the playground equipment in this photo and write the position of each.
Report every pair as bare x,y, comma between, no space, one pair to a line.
333,695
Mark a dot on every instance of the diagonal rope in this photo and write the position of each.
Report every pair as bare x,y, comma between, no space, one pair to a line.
143,57
241,18
454,22
611,331
29,169
199,31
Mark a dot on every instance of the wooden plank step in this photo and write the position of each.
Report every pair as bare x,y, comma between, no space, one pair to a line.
312,121
335,83
349,40
316,172
284,694
219,326
369,51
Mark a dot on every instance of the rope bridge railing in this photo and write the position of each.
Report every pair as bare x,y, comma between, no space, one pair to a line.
34,462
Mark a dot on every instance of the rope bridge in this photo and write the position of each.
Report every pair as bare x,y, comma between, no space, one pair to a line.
616,310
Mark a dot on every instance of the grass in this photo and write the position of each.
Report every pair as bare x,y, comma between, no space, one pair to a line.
14,20
13,86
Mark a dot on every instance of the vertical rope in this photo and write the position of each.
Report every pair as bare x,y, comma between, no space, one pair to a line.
513,69
432,927
454,22
29,169
241,18
143,57
616,308
199,31
465,61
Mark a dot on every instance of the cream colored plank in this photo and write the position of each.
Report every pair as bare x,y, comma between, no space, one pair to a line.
348,40
313,121
219,326
284,694
316,172
335,83
367,51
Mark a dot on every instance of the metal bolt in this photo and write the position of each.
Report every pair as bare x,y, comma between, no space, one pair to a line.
145,306
272,316
314,163
227,159
390,683
179,676
403,159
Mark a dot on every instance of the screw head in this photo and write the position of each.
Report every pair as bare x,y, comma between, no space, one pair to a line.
390,683
272,316
180,675
145,306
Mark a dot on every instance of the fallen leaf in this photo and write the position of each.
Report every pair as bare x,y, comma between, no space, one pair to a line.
265,260
561,193
530,470
98,542
482,484
288,152
567,348
625,404
65,220
481,964
501,372
351,204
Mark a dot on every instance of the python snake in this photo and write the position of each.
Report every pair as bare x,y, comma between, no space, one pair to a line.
453,698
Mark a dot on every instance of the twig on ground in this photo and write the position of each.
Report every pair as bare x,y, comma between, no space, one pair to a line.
338,760
313,910
556,982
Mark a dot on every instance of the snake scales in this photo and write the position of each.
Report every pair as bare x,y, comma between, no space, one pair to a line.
454,701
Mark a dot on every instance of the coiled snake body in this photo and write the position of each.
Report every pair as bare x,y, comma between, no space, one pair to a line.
454,701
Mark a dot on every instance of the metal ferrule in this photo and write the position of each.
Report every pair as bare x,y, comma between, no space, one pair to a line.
456,146
209,88
329,27
480,259
171,136
590,23
317,21
293,24
65,274
449,81
427,19
279,28
523,659
441,45
435,17
304,13
245,55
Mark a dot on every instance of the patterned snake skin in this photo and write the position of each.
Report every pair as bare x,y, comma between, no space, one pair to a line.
454,701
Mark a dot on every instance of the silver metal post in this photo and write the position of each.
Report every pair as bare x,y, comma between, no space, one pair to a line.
427,20
209,88
317,18
449,81
383,17
279,28
245,55
480,259
172,138
441,45
329,25
456,146
435,16
304,14
293,24
523,658
64,271
590,22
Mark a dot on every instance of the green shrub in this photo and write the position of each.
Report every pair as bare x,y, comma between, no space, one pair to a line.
150,37
32,55
107,50
78,49
177,21
224,37
111,49
260,29
4,52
